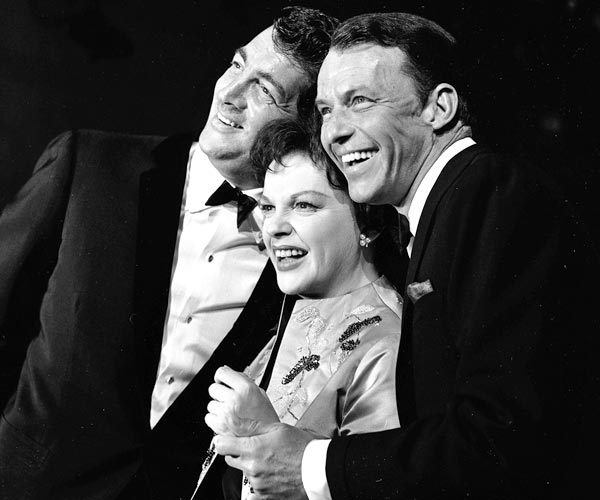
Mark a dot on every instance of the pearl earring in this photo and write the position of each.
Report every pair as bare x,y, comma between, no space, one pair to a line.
364,240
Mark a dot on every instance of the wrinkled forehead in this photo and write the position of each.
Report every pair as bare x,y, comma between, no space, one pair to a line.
358,66
366,57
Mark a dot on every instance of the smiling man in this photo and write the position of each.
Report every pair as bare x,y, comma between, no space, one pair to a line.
125,267
375,125
260,85
497,381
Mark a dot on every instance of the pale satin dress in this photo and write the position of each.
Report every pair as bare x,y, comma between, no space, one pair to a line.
335,371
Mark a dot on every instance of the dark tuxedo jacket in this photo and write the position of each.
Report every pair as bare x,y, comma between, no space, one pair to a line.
497,379
86,251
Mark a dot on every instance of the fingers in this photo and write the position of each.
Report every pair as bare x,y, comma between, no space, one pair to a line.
222,419
220,392
218,424
236,380
219,414
230,446
216,408
239,406
248,446
225,402
234,462
272,461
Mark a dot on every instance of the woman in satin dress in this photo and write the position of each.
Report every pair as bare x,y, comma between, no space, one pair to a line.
335,360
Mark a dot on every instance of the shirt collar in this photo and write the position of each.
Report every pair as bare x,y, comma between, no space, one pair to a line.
417,204
203,179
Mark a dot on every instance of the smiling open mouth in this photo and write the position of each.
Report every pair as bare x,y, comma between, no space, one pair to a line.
357,157
289,253
228,122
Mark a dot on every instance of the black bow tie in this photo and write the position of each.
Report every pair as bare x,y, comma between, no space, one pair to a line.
226,193
404,237
404,231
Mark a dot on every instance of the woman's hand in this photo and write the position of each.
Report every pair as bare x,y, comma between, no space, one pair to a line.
239,407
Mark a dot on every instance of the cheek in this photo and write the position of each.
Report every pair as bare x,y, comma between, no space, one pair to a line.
338,263
257,116
324,136
266,239
388,164
327,147
340,242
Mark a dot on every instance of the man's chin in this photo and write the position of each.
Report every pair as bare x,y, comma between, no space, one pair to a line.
366,194
216,146
358,193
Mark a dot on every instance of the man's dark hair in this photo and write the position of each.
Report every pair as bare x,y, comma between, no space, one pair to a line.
303,35
433,55
282,137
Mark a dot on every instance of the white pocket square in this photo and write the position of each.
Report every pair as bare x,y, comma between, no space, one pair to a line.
417,290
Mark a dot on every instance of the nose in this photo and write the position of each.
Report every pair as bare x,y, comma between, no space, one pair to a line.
233,92
336,129
277,225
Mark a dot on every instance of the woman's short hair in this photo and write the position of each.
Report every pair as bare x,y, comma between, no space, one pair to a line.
284,136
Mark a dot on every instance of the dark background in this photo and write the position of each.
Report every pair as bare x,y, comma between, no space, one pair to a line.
142,67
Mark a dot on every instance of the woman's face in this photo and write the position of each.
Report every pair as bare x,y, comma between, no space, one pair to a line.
310,231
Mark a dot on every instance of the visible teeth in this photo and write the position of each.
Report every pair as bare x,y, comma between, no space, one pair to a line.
227,121
289,252
358,155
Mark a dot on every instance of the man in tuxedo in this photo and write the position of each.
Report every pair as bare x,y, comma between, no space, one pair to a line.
125,266
497,385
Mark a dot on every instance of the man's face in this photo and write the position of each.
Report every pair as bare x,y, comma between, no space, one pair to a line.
260,85
372,123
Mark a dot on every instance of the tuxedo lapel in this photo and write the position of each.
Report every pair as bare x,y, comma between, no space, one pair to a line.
180,439
404,368
249,334
161,191
449,174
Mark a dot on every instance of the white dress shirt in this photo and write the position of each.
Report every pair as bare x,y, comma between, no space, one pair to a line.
215,268
314,477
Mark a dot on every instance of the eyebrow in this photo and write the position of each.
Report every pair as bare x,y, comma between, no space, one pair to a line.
295,196
320,102
262,74
346,94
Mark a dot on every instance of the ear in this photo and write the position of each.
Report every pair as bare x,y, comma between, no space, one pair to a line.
441,106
